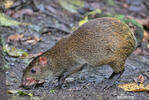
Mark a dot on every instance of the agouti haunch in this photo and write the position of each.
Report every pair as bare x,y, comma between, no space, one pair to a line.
98,42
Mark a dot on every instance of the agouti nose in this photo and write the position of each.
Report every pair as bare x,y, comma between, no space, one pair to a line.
29,81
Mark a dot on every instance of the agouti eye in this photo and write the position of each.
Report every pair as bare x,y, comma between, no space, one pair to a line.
33,70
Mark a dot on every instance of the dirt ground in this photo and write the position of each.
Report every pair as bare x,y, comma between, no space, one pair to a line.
85,85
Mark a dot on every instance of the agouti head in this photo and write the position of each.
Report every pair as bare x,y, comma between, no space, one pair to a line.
36,72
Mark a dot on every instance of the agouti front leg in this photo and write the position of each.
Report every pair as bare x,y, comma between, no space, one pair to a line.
118,68
67,73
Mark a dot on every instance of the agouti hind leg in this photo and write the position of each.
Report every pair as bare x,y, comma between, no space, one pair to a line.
111,80
118,68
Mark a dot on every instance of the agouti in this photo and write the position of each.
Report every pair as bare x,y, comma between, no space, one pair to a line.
98,42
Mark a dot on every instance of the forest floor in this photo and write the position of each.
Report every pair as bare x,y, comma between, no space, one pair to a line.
85,85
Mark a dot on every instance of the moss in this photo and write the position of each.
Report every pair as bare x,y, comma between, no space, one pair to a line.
129,20
139,28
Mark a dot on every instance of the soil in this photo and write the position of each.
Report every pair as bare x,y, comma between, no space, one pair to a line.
84,85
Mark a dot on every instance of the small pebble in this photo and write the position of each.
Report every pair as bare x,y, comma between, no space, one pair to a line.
69,79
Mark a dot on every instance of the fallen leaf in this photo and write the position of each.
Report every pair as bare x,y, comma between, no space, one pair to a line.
33,55
111,2
8,3
134,87
71,5
13,91
52,91
15,37
139,79
146,36
43,61
148,46
94,12
5,21
58,38
125,5
9,12
83,21
32,40
20,92
143,21
140,51
22,12
11,51
36,38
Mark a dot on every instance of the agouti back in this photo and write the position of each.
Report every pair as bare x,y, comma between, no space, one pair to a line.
100,41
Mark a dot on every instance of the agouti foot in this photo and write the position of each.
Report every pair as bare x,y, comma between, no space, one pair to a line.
60,82
112,79
107,84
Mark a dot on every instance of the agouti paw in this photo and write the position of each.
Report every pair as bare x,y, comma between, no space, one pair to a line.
106,84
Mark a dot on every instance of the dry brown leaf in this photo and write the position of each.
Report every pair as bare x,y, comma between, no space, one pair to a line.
15,37
146,36
57,38
33,40
8,3
139,79
140,51
36,38
125,5
22,12
143,21
134,87
12,91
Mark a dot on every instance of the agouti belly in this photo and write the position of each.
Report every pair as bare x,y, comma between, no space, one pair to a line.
100,41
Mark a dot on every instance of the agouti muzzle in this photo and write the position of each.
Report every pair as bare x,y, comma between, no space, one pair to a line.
98,42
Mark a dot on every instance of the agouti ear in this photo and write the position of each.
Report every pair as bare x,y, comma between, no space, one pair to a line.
43,61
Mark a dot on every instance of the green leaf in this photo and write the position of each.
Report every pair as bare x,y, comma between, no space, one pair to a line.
71,5
14,52
111,2
83,21
120,17
52,91
31,96
5,67
20,93
94,12
27,61
99,98
5,21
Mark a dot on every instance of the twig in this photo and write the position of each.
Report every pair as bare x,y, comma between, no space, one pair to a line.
54,16
63,30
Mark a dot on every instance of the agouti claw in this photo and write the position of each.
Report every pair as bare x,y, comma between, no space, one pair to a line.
112,79
107,84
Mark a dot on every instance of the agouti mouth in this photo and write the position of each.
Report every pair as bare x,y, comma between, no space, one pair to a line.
28,82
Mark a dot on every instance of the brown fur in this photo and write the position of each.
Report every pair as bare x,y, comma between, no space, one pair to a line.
100,41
